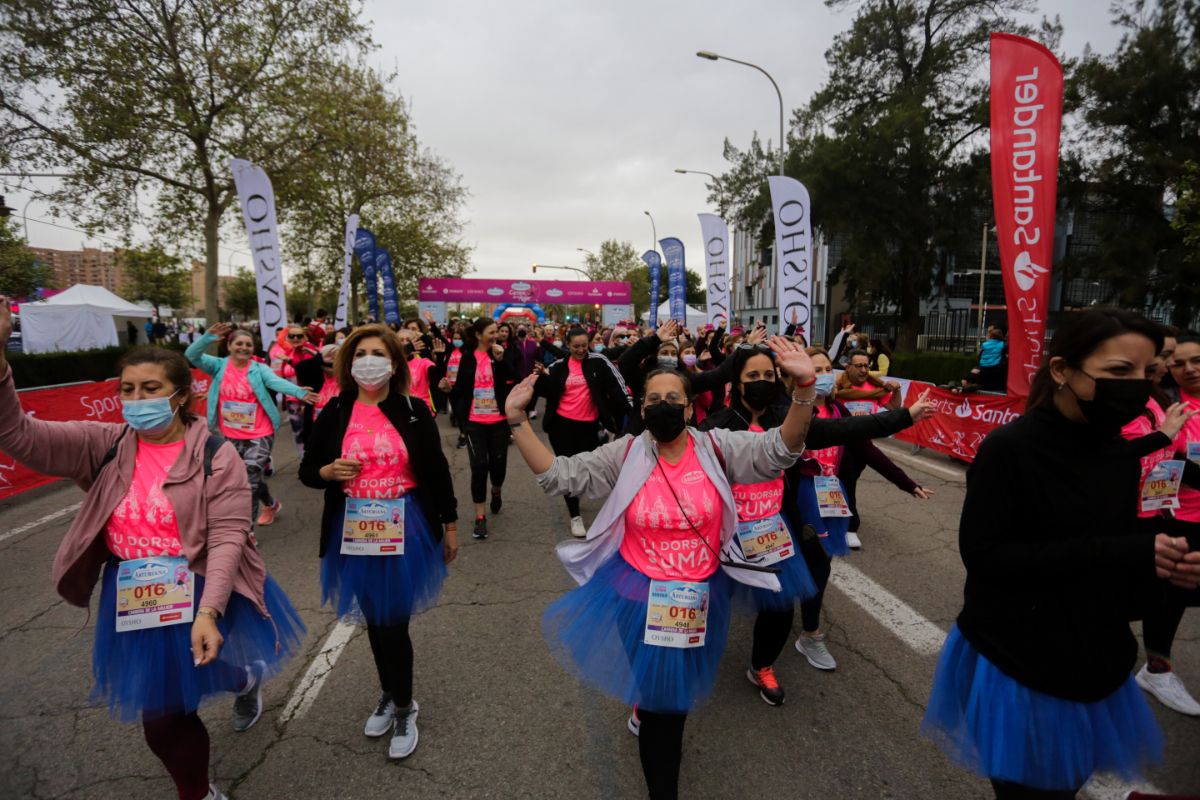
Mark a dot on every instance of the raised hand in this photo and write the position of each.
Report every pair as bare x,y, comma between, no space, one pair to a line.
792,360
668,330
439,346
221,330
1176,417
518,399
757,336
922,408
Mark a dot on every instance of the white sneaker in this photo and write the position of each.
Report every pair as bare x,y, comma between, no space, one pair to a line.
853,541
1169,690
634,723
380,721
215,794
404,733
813,648
578,529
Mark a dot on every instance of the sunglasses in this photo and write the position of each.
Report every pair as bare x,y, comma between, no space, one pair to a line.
295,336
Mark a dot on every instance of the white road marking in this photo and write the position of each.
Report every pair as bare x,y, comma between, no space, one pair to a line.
62,512
918,633
314,677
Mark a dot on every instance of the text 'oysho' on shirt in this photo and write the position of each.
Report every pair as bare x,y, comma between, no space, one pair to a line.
577,403
241,415
758,500
144,524
371,439
659,542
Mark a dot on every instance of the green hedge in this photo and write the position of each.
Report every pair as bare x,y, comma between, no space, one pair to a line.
939,368
31,370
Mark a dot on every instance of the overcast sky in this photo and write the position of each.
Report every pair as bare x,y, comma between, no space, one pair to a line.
567,119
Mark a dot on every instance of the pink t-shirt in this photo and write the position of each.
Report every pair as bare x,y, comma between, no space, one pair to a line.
143,524
371,439
830,457
1189,499
238,420
758,500
1141,427
485,391
329,390
577,401
419,368
452,366
659,542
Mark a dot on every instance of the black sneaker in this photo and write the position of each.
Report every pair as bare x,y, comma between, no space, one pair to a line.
497,501
462,443
768,685
480,531
247,706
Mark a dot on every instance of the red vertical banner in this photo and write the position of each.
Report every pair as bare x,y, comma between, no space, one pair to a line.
1026,118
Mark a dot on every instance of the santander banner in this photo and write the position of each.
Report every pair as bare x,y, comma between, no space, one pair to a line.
959,422
87,402
1026,118
486,290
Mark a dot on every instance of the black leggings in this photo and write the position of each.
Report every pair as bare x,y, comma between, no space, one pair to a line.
393,652
571,437
1163,618
488,446
660,745
181,743
849,474
819,566
772,628
1015,791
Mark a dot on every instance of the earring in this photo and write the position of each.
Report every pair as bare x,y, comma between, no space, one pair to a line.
1060,386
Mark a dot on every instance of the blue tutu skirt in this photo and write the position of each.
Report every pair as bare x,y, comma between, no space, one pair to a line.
1002,729
830,530
794,577
385,590
597,633
150,673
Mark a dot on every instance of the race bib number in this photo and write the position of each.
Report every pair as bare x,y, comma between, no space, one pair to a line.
765,541
1160,489
485,402
831,499
239,415
1193,452
452,373
677,614
860,408
373,527
153,593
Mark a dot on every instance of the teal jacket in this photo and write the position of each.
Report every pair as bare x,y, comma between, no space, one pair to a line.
262,381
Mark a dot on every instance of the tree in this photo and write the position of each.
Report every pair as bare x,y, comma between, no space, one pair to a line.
132,96
694,293
21,274
154,275
1143,121
241,295
613,262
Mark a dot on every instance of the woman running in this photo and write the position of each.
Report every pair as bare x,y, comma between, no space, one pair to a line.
485,374
286,356
241,409
584,397
1033,688
187,609
389,526
648,623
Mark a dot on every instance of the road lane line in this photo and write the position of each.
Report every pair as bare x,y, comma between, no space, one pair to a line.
898,617
62,512
314,677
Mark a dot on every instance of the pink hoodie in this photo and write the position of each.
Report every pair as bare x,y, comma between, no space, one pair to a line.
213,513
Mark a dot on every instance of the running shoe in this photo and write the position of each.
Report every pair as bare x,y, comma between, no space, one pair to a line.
215,794
768,685
1169,690
462,443
480,531
497,501
380,721
267,515
404,733
247,706
533,414
634,723
813,648
578,529
852,540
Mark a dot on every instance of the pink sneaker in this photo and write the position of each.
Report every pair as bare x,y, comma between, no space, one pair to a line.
267,515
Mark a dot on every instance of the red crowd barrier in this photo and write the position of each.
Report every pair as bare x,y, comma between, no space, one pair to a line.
960,422
95,402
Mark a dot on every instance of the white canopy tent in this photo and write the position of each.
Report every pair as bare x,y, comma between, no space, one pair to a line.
81,318
695,317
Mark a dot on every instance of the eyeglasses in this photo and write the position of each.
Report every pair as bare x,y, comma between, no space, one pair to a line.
295,336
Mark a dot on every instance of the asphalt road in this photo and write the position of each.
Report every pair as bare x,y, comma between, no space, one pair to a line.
499,718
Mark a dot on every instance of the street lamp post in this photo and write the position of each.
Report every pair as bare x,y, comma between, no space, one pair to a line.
653,230
536,267
695,172
711,56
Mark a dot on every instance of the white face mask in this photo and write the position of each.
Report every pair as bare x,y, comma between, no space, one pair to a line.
371,372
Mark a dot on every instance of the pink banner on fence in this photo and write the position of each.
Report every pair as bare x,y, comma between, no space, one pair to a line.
487,290
960,422
87,402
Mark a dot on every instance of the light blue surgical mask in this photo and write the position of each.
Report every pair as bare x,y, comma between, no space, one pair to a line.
598,348
825,384
151,416
457,343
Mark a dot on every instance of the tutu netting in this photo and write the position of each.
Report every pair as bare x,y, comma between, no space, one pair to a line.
596,632
1002,729
150,672
830,530
385,590
794,576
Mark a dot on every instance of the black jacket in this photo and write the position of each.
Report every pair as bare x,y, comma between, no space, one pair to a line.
603,382
462,394
309,373
413,420
1055,565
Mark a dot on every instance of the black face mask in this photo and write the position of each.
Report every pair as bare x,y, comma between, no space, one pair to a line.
759,394
664,420
1116,403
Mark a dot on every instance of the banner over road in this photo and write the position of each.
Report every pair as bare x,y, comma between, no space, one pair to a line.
487,290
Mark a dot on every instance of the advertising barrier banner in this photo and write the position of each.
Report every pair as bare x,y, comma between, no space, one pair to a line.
960,421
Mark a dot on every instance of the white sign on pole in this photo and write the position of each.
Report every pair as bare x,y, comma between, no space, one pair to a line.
339,319
611,315
435,307
257,199
793,250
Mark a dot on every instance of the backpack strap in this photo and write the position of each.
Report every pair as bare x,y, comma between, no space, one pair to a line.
211,445
112,451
